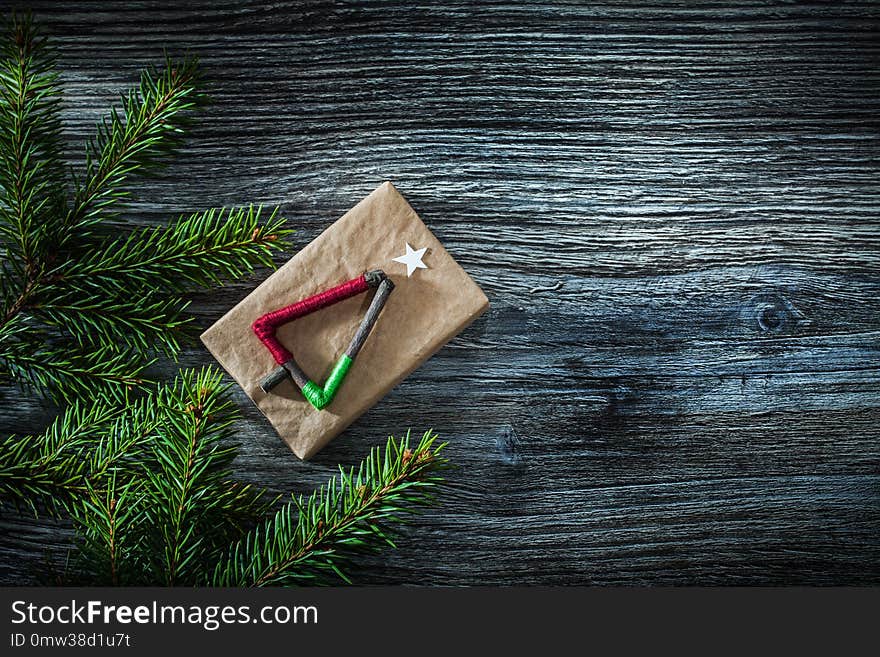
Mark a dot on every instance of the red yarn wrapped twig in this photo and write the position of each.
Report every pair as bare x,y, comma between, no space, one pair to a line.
266,326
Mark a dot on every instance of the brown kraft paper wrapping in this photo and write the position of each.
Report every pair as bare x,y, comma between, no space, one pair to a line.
423,312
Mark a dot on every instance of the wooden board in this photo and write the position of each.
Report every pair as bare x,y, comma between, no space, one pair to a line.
674,211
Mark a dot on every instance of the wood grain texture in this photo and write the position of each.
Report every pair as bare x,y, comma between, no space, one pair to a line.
673,209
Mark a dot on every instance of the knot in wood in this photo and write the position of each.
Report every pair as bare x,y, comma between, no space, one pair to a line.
772,313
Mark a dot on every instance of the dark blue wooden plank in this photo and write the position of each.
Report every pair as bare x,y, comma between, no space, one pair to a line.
674,211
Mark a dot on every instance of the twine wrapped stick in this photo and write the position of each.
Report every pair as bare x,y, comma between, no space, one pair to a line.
266,326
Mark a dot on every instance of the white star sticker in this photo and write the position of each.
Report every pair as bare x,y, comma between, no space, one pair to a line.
412,259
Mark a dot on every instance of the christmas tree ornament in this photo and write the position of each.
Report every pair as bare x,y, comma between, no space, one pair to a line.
277,351
265,328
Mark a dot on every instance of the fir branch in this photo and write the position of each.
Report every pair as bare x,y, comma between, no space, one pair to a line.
307,540
150,126
67,374
15,341
187,488
38,476
119,302
124,444
31,180
151,473
82,312
240,506
108,523
148,485
205,249
141,321
72,458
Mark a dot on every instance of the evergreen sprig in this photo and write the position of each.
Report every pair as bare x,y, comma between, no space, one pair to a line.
149,487
84,310
150,126
109,535
189,492
75,455
311,538
31,185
